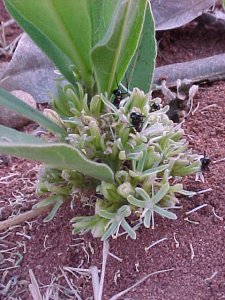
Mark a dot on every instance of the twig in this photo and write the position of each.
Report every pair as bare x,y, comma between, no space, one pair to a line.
117,296
218,217
192,251
219,160
177,244
155,243
191,221
208,106
195,209
75,292
116,257
207,69
33,287
196,108
204,191
104,259
7,23
95,281
206,280
21,218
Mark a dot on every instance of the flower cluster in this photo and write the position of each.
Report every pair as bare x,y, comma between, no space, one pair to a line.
142,146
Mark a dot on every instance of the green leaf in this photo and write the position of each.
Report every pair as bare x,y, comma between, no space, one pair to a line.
29,112
140,71
184,171
130,231
54,210
66,24
61,61
165,213
9,135
143,194
101,13
56,155
161,193
155,170
112,55
47,201
136,202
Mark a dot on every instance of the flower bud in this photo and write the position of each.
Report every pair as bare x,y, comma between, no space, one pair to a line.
125,189
53,116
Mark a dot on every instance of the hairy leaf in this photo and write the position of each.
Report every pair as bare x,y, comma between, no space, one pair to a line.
27,111
112,55
60,156
140,71
64,29
9,135
101,13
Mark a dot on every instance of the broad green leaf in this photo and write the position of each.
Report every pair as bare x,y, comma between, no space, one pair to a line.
112,55
59,156
9,135
140,71
55,54
66,24
101,13
29,112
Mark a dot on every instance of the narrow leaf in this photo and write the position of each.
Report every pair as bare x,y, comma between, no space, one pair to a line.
165,213
156,170
136,202
161,193
130,231
47,201
29,112
147,218
110,231
143,194
54,210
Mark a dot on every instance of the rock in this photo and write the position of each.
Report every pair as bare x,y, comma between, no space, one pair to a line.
31,71
12,119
